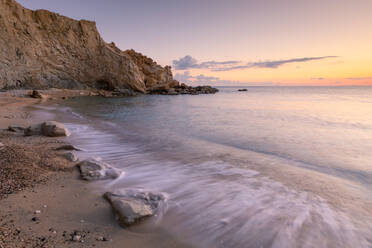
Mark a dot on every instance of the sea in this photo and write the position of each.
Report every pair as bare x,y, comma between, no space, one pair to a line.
269,167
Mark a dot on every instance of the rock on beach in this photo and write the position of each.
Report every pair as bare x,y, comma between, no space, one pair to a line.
92,169
133,205
48,128
54,129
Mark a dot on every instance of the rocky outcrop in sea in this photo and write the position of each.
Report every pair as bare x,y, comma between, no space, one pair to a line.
41,49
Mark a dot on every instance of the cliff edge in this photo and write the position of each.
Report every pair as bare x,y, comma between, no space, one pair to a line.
41,49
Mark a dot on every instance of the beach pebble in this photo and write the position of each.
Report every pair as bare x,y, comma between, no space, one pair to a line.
134,205
101,238
1,146
97,170
76,238
35,219
70,156
37,212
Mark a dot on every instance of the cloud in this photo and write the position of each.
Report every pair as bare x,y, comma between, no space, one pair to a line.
189,62
317,78
359,78
186,77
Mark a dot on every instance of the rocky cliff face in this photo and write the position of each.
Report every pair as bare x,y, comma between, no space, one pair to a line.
41,49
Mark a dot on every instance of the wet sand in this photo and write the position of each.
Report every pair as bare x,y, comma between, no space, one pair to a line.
45,203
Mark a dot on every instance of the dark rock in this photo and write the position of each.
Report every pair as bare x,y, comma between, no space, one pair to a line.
54,129
37,94
15,128
133,205
33,130
183,89
68,148
35,219
97,170
124,92
242,90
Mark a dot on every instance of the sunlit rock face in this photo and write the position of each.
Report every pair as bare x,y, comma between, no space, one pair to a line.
42,49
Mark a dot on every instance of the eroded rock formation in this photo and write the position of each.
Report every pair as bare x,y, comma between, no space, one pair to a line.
42,49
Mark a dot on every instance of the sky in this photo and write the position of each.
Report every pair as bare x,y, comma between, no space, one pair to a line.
239,42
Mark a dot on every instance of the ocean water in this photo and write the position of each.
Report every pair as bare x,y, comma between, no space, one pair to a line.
270,167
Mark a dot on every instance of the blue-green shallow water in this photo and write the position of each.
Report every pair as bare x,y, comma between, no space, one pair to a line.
271,167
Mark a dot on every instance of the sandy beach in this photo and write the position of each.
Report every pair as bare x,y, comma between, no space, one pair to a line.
43,201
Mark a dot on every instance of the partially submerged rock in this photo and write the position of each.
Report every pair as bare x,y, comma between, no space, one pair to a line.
1,146
242,90
15,128
54,129
68,148
183,89
97,170
134,205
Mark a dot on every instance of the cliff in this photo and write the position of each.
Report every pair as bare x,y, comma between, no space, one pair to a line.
41,49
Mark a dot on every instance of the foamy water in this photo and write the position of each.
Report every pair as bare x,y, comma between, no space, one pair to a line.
271,167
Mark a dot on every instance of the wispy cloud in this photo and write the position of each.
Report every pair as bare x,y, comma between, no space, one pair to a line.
317,78
359,78
186,77
189,62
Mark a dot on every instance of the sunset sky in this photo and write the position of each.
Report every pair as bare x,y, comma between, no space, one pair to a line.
253,42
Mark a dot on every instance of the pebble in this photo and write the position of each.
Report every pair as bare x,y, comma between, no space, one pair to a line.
35,219
102,239
37,212
76,238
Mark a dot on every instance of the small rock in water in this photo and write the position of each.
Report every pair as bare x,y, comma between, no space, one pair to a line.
37,212
132,206
1,146
97,170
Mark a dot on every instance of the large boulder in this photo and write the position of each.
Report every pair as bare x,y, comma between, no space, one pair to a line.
92,169
134,205
54,129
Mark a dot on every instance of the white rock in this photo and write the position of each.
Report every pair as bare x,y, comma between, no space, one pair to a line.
97,170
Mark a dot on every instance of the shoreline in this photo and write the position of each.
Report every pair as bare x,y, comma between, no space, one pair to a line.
51,204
